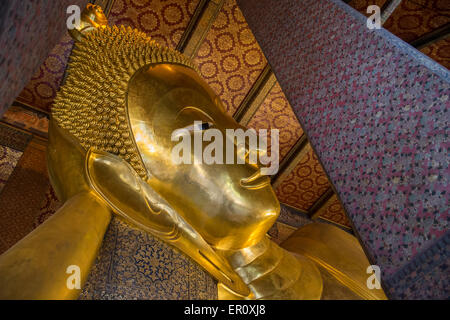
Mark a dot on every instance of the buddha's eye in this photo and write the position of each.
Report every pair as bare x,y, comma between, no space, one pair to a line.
199,126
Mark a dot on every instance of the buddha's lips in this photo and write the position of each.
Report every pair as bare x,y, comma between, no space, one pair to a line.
255,181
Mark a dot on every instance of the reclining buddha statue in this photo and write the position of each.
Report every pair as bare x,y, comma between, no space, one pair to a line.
110,153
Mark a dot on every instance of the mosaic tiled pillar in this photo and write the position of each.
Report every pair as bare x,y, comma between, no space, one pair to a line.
28,31
376,112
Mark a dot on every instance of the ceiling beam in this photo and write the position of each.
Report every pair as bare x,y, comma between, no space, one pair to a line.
291,160
29,106
255,97
33,134
204,16
314,210
388,8
431,37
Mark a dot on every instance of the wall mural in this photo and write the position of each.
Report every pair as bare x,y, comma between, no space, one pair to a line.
28,119
22,195
413,19
333,211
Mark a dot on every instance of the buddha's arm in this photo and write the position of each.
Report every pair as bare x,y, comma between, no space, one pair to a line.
35,268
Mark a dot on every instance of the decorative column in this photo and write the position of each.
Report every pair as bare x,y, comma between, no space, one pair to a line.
376,111
28,31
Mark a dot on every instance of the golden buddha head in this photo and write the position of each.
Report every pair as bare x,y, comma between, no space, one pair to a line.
126,95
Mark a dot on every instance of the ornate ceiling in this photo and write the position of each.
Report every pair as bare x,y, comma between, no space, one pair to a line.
415,18
276,113
231,61
304,185
165,21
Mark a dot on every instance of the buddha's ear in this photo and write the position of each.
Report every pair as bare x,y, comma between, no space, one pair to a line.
115,182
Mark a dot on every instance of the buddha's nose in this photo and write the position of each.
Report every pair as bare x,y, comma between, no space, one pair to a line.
251,155
255,181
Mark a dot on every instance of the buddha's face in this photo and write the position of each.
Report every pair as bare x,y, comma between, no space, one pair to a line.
229,210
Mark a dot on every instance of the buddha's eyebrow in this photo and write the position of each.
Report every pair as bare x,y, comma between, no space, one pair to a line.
195,109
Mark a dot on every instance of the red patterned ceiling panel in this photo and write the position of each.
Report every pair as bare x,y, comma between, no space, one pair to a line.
361,5
305,183
413,19
276,113
229,59
334,211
